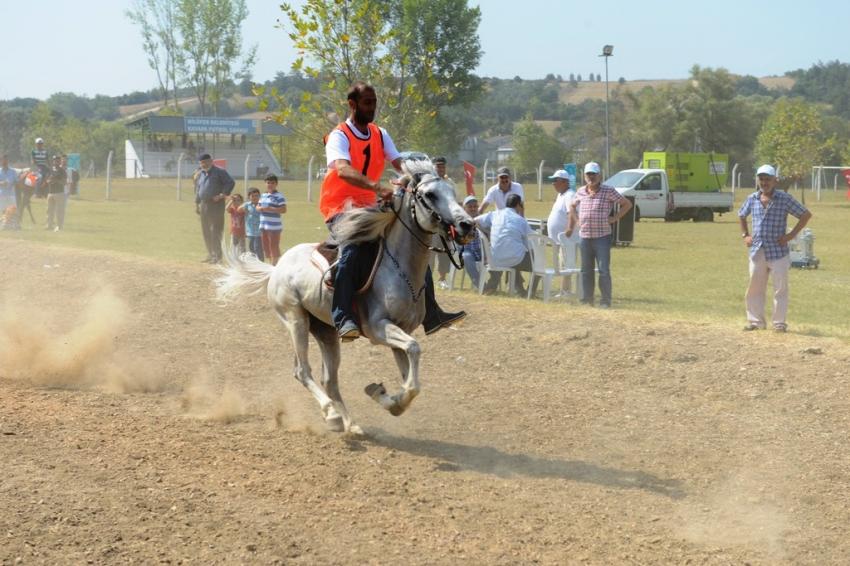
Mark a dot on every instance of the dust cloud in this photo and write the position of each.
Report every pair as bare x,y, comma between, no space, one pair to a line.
84,355
743,510
203,400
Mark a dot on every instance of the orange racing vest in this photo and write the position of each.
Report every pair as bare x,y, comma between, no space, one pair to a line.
367,156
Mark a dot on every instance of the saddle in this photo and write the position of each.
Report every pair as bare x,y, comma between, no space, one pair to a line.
325,257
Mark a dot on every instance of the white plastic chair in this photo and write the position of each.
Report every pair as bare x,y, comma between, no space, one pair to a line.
537,247
488,267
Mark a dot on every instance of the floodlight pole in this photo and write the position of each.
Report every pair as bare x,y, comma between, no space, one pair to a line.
607,51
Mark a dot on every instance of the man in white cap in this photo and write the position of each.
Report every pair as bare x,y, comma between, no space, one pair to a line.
768,246
592,209
497,195
559,217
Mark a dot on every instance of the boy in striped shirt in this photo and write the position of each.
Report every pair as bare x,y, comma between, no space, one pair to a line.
272,205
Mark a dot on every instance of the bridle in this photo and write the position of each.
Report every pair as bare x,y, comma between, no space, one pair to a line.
449,248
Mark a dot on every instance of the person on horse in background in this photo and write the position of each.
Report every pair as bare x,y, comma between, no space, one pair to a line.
356,152
41,163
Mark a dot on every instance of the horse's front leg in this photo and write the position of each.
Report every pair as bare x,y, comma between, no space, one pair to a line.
385,332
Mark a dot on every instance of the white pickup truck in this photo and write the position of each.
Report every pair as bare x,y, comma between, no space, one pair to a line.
654,199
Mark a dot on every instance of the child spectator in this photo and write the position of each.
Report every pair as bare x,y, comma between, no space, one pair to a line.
237,223
252,223
272,205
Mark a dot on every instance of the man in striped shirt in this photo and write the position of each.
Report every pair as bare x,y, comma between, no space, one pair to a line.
272,205
768,245
592,208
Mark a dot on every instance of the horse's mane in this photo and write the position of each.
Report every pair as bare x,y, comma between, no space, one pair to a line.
368,224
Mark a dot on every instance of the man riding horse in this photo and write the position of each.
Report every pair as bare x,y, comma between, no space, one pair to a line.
357,151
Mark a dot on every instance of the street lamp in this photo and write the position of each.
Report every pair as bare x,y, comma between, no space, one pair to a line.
607,51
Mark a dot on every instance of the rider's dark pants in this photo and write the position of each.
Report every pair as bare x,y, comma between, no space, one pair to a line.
352,270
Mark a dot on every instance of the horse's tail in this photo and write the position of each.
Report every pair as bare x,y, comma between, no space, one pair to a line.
244,275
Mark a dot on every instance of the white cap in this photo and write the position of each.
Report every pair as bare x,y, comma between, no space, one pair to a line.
469,199
592,167
38,141
560,174
766,170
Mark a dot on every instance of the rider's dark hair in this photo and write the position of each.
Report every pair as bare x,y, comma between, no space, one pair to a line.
513,201
358,88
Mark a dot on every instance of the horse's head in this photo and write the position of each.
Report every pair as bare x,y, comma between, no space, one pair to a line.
434,203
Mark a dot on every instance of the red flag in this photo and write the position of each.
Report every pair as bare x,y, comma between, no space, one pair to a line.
469,173
846,174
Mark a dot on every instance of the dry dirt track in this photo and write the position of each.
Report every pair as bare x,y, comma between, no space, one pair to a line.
155,426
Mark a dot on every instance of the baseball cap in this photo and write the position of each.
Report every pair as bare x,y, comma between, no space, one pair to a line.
560,174
469,199
38,141
592,167
503,172
766,170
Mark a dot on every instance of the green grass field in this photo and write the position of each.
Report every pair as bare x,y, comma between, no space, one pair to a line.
673,270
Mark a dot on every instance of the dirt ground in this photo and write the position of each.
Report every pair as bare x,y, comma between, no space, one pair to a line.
141,422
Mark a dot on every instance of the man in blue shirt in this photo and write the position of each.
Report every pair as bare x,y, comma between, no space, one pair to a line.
768,244
8,178
212,187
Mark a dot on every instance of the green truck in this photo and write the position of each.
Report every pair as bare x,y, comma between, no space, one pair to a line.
690,172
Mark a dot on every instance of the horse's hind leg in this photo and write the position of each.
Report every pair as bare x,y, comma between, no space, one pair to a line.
328,341
298,324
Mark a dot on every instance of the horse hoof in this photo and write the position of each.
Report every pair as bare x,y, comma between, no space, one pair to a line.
356,430
335,424
396,410
375,390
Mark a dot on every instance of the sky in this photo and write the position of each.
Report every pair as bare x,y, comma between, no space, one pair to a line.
89,46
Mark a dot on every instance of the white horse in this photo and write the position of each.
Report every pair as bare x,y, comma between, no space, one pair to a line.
389,312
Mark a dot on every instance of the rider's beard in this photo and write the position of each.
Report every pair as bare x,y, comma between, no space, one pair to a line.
361,117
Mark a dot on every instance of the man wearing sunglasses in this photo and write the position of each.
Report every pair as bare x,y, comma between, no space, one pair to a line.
592,209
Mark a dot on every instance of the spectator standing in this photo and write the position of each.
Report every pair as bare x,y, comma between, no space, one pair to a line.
40,162
252,223
497,194
56,200
471,252
559,218
768,247
237,223
442,259
212,187
509,232
591,209
272,205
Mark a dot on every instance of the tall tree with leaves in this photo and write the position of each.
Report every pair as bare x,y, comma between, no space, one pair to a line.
157,21
532,144
211,41
419,56
792,138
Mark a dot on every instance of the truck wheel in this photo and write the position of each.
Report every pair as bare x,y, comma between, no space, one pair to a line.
704,215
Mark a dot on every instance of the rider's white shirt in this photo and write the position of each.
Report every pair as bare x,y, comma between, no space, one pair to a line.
338,147
508,236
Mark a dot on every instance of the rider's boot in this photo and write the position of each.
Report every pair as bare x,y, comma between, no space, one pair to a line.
435,317
342,309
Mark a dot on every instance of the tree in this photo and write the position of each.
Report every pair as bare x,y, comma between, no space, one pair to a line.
419,55
157,21
572,79
13,123
532,144
578,78
825,82
791,138
211,42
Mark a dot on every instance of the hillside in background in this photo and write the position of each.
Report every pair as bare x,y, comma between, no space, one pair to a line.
589,90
